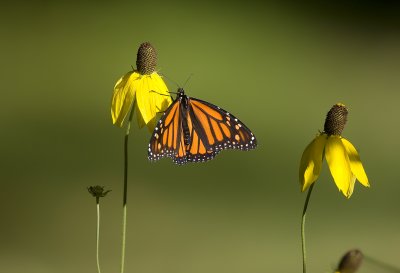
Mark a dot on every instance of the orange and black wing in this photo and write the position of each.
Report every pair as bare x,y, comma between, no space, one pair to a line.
167,137
199,149
213,129
210,129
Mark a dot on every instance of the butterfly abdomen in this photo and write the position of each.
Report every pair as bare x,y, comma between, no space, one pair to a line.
185,127
186,133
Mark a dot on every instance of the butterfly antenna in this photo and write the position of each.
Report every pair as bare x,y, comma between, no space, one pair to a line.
187,79
171,80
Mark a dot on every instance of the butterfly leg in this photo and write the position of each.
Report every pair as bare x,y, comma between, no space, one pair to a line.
153,91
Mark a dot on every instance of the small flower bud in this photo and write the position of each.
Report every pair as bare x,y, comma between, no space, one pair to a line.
97,191
336,119
350,262
146,60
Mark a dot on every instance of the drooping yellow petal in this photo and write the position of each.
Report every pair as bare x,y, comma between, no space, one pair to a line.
142,100
139,117
152,96
163,99
355,163
339,165
351,186
123,96
152,123
311,161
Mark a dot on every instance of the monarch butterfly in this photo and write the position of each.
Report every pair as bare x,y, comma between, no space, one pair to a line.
193,130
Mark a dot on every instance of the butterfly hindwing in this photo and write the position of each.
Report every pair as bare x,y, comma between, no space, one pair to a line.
199,149
165,140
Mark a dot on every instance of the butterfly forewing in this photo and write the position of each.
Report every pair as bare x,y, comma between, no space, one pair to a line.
222,130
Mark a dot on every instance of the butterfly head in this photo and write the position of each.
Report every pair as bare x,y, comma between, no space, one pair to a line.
181,92
182,97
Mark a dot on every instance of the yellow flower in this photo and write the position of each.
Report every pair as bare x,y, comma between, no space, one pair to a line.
342,157
142,87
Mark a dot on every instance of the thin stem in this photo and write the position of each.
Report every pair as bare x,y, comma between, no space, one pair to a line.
303,222
381,264
125,194
98,234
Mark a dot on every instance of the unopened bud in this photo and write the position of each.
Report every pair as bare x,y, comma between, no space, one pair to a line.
350,262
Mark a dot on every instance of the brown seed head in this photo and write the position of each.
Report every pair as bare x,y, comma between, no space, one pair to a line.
336,119
146,60
351,261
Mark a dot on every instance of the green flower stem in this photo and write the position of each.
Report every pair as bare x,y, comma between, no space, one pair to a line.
98,234
303,222
125,194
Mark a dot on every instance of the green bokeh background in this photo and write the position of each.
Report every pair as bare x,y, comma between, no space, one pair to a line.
279,67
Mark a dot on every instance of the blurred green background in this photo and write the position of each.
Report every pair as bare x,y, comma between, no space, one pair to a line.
278,67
